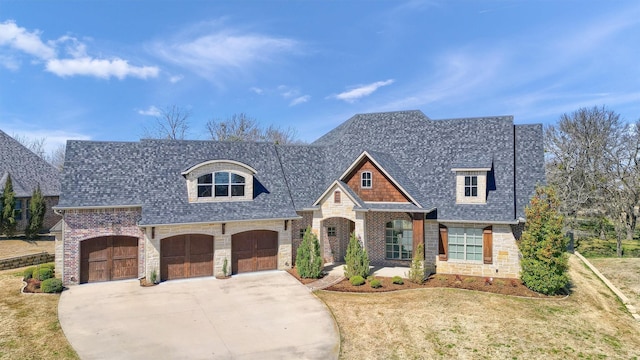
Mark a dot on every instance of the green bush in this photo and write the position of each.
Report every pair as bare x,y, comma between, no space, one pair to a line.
544,261
356,280
416,271
52,285
397,280
308,259
48,265
43,274
27,273
356,259
375,283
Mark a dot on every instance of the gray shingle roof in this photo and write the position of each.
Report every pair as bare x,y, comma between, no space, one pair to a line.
416,151
27,170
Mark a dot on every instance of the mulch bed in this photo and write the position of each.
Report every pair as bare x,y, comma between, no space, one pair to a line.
33,286
294,273
513,287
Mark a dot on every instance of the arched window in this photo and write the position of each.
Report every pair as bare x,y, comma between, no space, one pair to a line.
399,240
221,184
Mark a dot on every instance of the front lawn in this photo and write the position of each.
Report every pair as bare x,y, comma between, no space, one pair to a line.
29,327
452,323
18,247
624,274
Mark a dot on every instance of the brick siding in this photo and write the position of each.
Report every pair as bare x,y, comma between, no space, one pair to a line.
296,226
376,227
50,217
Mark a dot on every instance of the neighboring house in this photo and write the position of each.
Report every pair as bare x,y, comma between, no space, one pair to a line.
398,179
27,171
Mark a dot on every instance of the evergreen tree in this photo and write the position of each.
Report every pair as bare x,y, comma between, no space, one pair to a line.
8,219
544,260
356,259
308,259
416,271
37,209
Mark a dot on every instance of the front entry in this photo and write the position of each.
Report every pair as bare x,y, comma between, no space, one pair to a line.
108,258
254,251
185,256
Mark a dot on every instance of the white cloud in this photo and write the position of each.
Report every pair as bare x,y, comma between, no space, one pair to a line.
100,68
300,100
213,52
176,78
151,111
256,90
362,91
21,39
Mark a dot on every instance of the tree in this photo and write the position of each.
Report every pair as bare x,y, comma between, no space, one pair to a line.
56,158
593,164
542,245
172,124
308,260
241,127
416,271
37,209
7,217
36,145
356,259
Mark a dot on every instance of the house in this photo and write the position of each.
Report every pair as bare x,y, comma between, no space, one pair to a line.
186,208
28,171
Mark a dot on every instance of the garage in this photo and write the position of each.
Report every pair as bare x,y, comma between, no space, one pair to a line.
186,256
255,250
108,258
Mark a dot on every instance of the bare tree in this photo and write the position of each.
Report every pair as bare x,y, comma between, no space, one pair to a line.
36,145
592,161
171,124
56,158
241,127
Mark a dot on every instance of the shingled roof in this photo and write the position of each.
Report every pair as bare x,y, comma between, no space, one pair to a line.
417,152
27,170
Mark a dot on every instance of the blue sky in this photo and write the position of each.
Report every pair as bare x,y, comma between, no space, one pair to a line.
101,69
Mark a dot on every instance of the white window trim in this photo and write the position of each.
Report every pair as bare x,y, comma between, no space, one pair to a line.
471,186
369,180
465,260
230,183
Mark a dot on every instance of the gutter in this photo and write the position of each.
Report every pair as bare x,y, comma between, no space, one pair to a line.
221,221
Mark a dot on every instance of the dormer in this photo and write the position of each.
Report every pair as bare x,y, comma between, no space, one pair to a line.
471,184
219,180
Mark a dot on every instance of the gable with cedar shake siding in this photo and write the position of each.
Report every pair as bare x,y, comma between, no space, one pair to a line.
395,179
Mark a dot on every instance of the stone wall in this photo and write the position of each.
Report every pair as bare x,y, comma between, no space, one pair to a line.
82,224
26,260
506,256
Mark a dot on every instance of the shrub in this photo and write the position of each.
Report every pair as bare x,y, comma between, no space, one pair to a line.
225,264
416,271
356,259
43,274
52,285
356,280
375,283
397,280
27,273
544,261
7,209
308,259
49,265
37,209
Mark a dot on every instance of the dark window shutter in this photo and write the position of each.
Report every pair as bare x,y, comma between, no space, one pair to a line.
443,247
487,245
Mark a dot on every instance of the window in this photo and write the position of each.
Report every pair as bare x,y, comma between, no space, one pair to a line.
465,244
221,184
331,231
18,209
366,179
471,186
399,239
336,197
301,233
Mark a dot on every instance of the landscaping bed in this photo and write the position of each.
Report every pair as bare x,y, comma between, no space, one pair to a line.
294,273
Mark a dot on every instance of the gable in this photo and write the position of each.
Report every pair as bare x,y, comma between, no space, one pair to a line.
382,188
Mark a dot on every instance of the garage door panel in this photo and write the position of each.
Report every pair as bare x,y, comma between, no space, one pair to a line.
108,258
254,251
186,256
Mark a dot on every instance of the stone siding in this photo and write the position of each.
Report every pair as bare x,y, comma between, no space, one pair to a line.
83,224
482,187
192,181
506,256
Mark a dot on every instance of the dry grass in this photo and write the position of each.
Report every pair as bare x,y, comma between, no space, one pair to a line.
623,273
11,248
451,323
29,327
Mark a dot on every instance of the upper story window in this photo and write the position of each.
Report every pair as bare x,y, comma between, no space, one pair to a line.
471,185
336,197
221,184
220,181
366,180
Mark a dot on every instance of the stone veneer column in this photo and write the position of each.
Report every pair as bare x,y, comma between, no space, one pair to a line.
431,240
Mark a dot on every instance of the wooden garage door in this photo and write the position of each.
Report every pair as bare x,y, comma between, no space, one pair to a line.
108,258
186,256
254,251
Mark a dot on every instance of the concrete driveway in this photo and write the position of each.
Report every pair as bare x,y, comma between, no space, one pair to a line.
257,316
